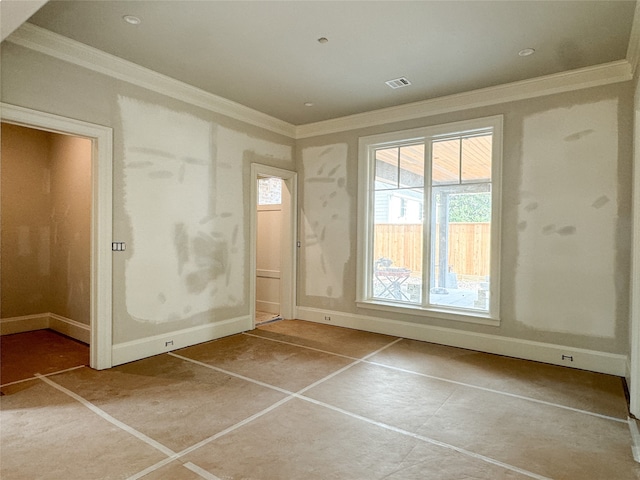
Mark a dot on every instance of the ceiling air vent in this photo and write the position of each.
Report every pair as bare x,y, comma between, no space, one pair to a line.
398,83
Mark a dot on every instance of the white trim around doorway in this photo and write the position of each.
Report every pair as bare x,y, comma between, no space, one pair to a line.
101,216
633,368
289,240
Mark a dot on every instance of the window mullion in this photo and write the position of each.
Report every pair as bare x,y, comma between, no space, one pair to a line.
426,223
370,223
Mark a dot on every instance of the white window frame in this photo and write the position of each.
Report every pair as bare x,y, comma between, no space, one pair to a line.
366,162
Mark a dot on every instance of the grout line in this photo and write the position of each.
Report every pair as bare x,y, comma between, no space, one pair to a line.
200,471
282,390
35,376
227,372
152,468
337,372
141,436
299,395
425,439
207,440
298,345
230,429
501,392
171,455
291,395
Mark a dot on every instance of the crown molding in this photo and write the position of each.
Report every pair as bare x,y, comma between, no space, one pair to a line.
633,50
614,72
63,48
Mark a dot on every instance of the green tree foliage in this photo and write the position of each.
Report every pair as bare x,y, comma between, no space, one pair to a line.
470,207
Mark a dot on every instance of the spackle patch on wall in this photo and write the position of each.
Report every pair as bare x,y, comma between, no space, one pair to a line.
566,255
326,219
183,256
232,148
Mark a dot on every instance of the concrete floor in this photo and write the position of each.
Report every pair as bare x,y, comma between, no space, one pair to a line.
297,400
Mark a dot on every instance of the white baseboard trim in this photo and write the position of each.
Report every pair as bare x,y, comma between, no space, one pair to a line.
25,323
57,323
269,307
592,360
71,328
166,342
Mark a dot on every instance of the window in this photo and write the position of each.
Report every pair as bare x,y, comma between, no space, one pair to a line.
269,191
429,233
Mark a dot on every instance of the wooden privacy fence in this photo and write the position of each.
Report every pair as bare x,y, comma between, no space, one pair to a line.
468,246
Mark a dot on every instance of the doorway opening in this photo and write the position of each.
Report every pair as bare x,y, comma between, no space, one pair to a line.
82,270
273,244
268,249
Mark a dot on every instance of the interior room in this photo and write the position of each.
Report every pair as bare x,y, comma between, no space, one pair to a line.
320,239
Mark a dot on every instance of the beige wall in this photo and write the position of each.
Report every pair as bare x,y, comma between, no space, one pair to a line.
46,224
71,227
181,192
182,188
25,209
566,163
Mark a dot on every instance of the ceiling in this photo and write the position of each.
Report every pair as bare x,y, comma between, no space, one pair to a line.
266,55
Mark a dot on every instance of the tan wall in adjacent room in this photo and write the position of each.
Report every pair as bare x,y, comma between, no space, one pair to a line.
71,227
25,209
46,224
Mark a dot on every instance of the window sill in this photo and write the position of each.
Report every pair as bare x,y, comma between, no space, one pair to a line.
446,314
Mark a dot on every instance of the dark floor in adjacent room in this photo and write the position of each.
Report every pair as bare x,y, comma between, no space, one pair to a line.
22,355
298,400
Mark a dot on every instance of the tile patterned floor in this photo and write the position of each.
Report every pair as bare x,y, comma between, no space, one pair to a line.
298,400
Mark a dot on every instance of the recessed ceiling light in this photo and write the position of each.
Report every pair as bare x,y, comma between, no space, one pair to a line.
323,40
525,52
308,104
132,20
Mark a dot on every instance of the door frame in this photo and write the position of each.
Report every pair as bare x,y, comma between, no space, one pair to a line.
288,240
633,375
101,216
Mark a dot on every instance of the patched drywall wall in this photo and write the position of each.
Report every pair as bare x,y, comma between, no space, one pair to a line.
43,83
325,222
566,196
181,192
184,199
565,278
175,257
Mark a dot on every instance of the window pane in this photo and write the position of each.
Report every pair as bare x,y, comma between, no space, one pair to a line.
446,162
460,268
397,245
412,166
387,168
269,191
476,159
